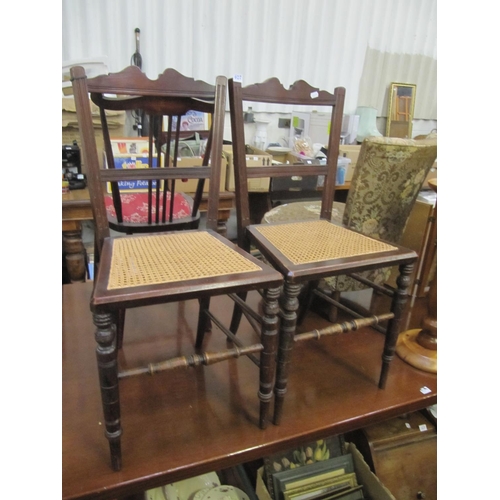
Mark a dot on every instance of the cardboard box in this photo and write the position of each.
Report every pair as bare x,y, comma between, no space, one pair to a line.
372,486
255,158
71,132
189,185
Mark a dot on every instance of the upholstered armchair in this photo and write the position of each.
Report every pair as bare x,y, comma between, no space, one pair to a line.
389,174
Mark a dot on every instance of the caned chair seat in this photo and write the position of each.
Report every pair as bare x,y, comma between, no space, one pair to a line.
318,241
169,258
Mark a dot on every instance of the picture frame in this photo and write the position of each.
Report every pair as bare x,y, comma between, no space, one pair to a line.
311,452
315,475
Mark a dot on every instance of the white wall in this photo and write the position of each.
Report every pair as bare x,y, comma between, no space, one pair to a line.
362,45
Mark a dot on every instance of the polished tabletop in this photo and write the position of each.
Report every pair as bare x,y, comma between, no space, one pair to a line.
186,422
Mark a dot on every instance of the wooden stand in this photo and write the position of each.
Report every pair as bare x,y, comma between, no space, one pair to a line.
419,347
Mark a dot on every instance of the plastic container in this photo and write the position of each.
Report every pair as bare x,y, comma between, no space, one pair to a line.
342,166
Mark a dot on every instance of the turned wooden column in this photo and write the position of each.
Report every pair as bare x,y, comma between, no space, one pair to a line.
269,340
105,335
394,327
418,347
289,306
74,253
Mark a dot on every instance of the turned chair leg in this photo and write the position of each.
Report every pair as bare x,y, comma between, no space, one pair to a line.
237,313
267,366
394,327
107,366
204,322
308,295
288,325
333,311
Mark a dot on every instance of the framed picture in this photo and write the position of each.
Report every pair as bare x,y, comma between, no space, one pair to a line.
312,478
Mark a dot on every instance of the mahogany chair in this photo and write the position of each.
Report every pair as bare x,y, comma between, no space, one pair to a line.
159,267
308,250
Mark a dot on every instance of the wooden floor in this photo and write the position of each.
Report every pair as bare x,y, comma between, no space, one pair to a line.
183,423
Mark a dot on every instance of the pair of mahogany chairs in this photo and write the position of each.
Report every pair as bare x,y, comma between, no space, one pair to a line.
172,260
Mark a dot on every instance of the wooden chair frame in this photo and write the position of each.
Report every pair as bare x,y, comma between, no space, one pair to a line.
297,274
109,302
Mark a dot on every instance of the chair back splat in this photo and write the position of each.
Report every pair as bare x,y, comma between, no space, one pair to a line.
308,250
171,260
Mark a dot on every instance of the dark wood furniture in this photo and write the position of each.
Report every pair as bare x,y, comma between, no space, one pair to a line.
306,251
184,423
142,270
76,207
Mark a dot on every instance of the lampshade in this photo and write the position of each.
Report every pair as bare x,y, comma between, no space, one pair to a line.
367,123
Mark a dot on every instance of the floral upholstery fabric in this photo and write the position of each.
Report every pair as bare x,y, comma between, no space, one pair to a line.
388,177
135,206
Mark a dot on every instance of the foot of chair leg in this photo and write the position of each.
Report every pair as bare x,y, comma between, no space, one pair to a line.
394,327
107,366
279,395
115,449
288,325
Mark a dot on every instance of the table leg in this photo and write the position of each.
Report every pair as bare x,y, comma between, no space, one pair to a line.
74,253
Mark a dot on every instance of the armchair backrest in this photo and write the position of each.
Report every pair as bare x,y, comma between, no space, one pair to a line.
389,174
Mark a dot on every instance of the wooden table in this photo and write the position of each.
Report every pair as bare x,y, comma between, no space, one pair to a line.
182,423
76,208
